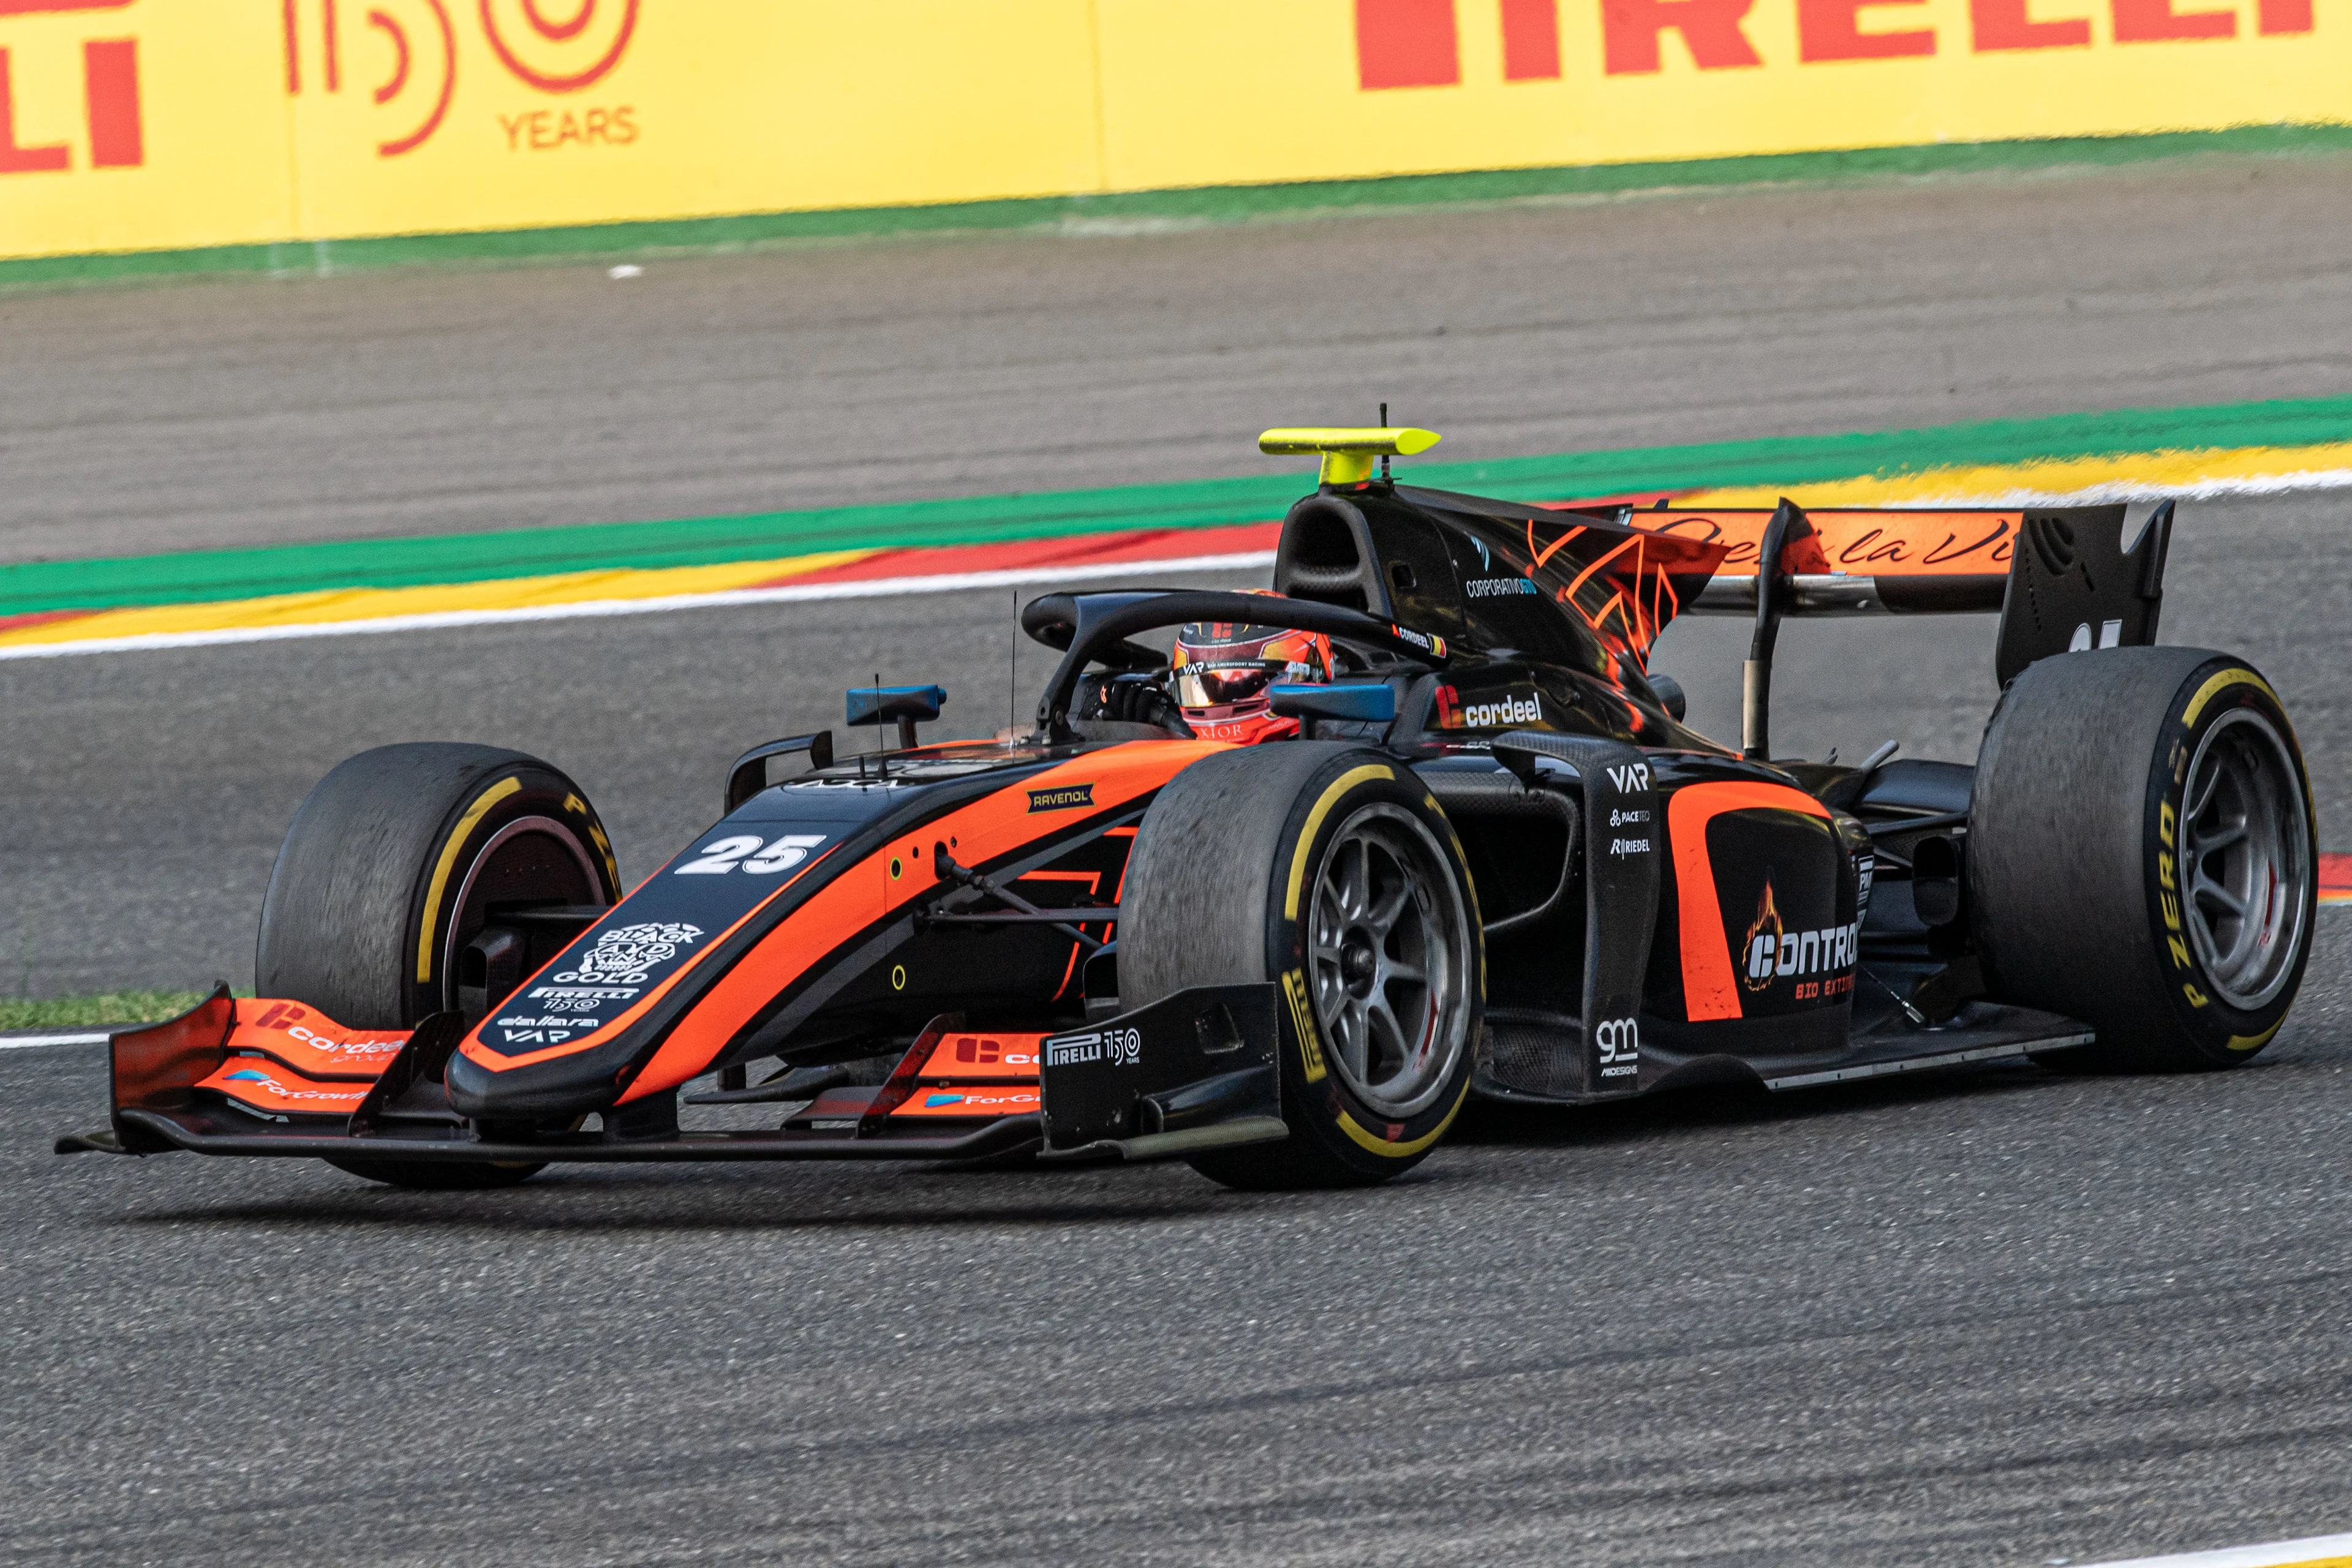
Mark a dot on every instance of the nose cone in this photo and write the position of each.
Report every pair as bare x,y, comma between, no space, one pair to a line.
563,1088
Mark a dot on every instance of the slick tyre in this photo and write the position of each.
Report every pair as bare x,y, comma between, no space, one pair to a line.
392,867
2141,855
1330,870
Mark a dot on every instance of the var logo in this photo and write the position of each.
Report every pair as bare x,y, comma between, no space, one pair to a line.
1631,778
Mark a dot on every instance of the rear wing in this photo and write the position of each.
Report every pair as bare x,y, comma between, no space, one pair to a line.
2060,578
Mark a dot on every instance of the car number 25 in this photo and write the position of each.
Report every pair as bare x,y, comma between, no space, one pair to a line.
774,855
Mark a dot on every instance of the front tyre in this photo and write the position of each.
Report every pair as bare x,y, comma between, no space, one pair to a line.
2141,855
1330,870
395,862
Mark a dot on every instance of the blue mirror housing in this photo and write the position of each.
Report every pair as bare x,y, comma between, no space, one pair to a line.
881,704
1352,704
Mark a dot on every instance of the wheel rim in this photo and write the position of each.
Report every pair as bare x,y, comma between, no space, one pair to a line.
1389,952
2244,866
516,866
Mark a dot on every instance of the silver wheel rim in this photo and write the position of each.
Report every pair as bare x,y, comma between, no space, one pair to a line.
1388,950
2244,868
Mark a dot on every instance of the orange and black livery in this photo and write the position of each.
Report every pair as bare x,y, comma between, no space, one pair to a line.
1493,860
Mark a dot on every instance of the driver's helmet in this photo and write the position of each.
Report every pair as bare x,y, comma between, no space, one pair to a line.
1220,670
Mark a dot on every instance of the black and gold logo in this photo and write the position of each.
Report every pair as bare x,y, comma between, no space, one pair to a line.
1061,797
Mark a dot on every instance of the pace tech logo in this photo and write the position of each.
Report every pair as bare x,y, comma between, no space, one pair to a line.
1501,713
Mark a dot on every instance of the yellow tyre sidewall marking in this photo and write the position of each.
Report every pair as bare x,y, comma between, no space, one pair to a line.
2215,684
1311,1055
1302,1012
2222,682
1336,788
2255,1042
1387,1150
456,841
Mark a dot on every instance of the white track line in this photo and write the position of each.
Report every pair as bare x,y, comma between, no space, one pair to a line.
872,588
2308,1552
29,1042
2129,490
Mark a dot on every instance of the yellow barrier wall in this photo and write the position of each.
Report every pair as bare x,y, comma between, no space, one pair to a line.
137,124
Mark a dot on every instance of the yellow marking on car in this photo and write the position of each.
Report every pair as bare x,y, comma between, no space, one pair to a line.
2255,1042
482,803
2220,683
1375,1144
1347,452
1302,1019
1339,787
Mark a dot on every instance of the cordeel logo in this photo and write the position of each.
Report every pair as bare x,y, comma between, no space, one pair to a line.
1500,712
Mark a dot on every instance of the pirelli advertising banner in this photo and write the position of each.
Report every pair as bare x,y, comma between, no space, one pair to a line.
166,124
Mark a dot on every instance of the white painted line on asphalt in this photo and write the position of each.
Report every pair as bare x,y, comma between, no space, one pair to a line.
28,1042
787,593
2131,490
2312,1552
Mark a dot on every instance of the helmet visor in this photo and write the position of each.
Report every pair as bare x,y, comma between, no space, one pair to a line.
1223,685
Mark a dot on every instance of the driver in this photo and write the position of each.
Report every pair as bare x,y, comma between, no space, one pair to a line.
1217,680
1221,671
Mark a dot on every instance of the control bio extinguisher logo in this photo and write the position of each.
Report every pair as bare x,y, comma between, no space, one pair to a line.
406,55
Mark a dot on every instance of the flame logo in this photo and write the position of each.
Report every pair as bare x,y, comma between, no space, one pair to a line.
1768,924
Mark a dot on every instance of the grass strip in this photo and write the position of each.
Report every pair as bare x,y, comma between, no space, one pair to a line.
207,576
87,1012
1198,205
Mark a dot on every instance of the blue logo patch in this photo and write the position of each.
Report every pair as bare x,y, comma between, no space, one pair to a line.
944,1100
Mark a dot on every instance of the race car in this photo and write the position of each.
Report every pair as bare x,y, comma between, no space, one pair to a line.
1481,854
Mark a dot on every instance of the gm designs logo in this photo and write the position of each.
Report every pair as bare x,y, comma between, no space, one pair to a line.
406,60
1619,1044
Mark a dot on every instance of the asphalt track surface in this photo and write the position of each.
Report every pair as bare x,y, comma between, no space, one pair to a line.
1992,1316
250,411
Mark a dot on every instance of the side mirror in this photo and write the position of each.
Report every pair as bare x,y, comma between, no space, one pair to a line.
748,776
1350,704
1670,696
909,705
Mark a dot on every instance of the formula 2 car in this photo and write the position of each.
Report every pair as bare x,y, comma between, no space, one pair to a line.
1492,860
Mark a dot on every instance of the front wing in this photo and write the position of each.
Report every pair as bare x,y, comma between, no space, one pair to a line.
1191,1071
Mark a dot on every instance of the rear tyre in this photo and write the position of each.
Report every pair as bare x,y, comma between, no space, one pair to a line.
394,864
1331,870
2141,855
